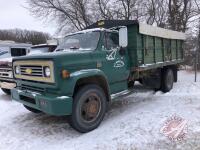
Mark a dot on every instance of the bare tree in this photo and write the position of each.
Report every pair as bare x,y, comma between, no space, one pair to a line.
24,36
161,13
66,12
180,13
104,8
198,35
78,14
155,12
126,9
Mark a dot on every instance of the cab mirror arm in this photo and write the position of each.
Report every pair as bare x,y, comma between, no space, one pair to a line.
122,51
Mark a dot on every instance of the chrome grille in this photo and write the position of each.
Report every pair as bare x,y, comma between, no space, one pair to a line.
36,71
6,72
32,70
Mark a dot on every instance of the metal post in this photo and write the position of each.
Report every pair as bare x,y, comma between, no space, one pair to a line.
195,80
197,53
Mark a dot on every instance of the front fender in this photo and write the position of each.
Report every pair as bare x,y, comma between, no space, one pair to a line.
75,76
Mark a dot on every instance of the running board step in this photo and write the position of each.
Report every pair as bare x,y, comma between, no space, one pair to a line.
121,94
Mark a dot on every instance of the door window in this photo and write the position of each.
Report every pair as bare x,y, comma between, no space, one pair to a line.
111,41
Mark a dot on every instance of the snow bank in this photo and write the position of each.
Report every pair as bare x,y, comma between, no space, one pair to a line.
132,123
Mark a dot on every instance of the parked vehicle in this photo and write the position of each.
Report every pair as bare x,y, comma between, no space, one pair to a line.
3,53
50,46
8,50
94,66
6,76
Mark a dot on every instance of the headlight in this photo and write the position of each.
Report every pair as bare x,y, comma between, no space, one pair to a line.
47,72
17,69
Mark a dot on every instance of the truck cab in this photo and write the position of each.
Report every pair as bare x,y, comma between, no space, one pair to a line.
90,68
102,51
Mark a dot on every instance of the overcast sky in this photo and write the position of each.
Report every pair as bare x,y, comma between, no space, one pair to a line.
13,15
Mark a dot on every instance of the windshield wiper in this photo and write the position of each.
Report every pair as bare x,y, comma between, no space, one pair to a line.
60,49
74,48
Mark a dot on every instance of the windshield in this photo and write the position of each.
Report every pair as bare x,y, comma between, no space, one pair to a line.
5,54
80,42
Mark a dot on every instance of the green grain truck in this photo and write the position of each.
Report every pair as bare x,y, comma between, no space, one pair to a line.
91,67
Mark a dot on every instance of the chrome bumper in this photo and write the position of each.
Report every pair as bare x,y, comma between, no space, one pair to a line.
7,85
6,78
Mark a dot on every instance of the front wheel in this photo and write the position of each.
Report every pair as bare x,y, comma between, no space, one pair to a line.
131,84
89,108
6,91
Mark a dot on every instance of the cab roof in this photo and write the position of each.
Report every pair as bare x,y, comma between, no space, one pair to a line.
112,23
91,30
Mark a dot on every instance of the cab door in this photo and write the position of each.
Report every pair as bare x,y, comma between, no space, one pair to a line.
114,65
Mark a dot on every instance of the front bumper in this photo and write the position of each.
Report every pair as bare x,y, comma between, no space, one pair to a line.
53,105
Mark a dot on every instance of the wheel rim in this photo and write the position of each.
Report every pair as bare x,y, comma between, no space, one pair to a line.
91,108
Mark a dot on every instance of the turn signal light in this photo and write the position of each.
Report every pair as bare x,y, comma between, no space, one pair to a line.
65,74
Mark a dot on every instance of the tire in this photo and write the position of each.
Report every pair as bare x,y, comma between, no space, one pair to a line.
131,84
6,91
89,108
140,81
167,80
32,110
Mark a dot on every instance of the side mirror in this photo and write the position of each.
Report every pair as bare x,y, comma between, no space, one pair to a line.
123,37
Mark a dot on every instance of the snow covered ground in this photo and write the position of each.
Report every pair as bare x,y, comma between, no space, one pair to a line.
133,123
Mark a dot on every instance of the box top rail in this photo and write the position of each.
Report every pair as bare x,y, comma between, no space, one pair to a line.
161,32
143,28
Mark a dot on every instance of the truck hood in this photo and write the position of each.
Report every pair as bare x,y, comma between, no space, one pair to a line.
60,57
6,59
6,62
53,55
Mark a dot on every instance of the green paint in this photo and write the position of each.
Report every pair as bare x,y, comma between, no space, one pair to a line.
82,65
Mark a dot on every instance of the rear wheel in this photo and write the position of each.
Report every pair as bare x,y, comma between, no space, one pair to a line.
89,108
167,80
140,81
6,91
32,109
131,84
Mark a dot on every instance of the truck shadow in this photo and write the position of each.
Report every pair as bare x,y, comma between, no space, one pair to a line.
139,95
5,97
44,125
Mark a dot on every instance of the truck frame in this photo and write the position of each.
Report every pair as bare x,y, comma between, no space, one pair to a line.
94,66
